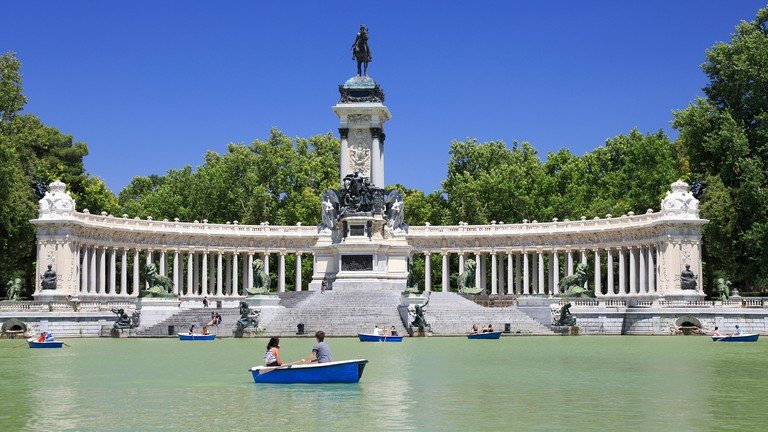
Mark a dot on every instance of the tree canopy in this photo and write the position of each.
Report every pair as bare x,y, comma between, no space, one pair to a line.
724,141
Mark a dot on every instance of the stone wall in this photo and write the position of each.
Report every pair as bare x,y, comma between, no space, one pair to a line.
664,321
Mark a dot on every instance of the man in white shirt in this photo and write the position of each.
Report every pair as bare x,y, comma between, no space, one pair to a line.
376,331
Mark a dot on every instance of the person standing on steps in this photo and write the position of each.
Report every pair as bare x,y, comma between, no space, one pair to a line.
323,286
321,352
205,302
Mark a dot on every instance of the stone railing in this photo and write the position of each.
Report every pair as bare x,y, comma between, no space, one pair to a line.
63,306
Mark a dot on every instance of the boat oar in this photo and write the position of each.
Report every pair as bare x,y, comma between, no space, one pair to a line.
67,345
283,366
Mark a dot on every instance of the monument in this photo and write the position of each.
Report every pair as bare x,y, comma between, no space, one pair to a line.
362,238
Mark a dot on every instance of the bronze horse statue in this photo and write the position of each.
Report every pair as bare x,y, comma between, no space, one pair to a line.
361,52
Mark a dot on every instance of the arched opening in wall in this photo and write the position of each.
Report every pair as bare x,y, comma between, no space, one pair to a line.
688,324
13,328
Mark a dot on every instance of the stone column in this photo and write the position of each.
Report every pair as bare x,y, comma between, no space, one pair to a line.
570,262
175,269
84,271
149,261
124,273
163,261
136,282
556,272
651,270
235,282
478,271
427,272
196,270
211,286
598,276
92,288
510,275
643,271
377,171
228,276
113,271
219,274
249,275
551,274
526,267
190,273
632,271
102,270
298,272
281,272
502,274
204,274
609,269
266,264
518,266
622,273
446,273
540,289
494,274
343,134
461,263
584,261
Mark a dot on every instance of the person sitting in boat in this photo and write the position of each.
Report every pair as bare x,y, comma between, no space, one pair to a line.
376,331
272,356
206,331
212,322
192,329
49,337
42,336
393,331
738,331
716,332
490,328
321,352
474,329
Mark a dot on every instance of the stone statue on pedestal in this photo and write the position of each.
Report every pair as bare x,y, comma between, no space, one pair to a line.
410,286
467,279
395,211
159,286
573,285
688,279
419,321
49,279
330,213
13,289
561,315
361,52
124,322
249,319
260,279
723,289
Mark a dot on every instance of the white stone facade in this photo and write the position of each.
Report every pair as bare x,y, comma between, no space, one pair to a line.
96,256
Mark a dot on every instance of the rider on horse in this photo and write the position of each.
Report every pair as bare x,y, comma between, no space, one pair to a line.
361,52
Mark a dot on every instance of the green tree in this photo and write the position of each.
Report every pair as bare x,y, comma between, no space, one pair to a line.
724,141
34,154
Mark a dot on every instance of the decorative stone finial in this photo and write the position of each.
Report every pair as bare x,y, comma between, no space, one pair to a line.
57,202
680,202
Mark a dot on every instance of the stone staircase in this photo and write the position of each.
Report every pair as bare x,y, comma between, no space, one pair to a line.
451,314
199,317
337,313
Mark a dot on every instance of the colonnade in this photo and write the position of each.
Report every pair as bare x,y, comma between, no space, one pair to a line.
118,271
611,271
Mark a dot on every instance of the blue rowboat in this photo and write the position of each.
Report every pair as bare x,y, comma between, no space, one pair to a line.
750,337
348,371
196,337
374,338
489,335
46,344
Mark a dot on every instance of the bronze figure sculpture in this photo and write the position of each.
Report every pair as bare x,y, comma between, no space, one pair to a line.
361,52
49,279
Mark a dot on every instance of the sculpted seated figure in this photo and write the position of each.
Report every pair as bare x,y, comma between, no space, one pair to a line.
687,279
49,279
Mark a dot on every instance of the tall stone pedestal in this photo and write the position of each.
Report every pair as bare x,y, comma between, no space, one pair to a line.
361,260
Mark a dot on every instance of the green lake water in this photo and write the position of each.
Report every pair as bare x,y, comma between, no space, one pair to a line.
517,383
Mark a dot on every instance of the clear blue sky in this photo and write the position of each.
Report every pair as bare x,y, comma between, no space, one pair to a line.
150,86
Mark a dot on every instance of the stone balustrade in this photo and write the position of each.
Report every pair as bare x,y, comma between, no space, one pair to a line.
631,256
